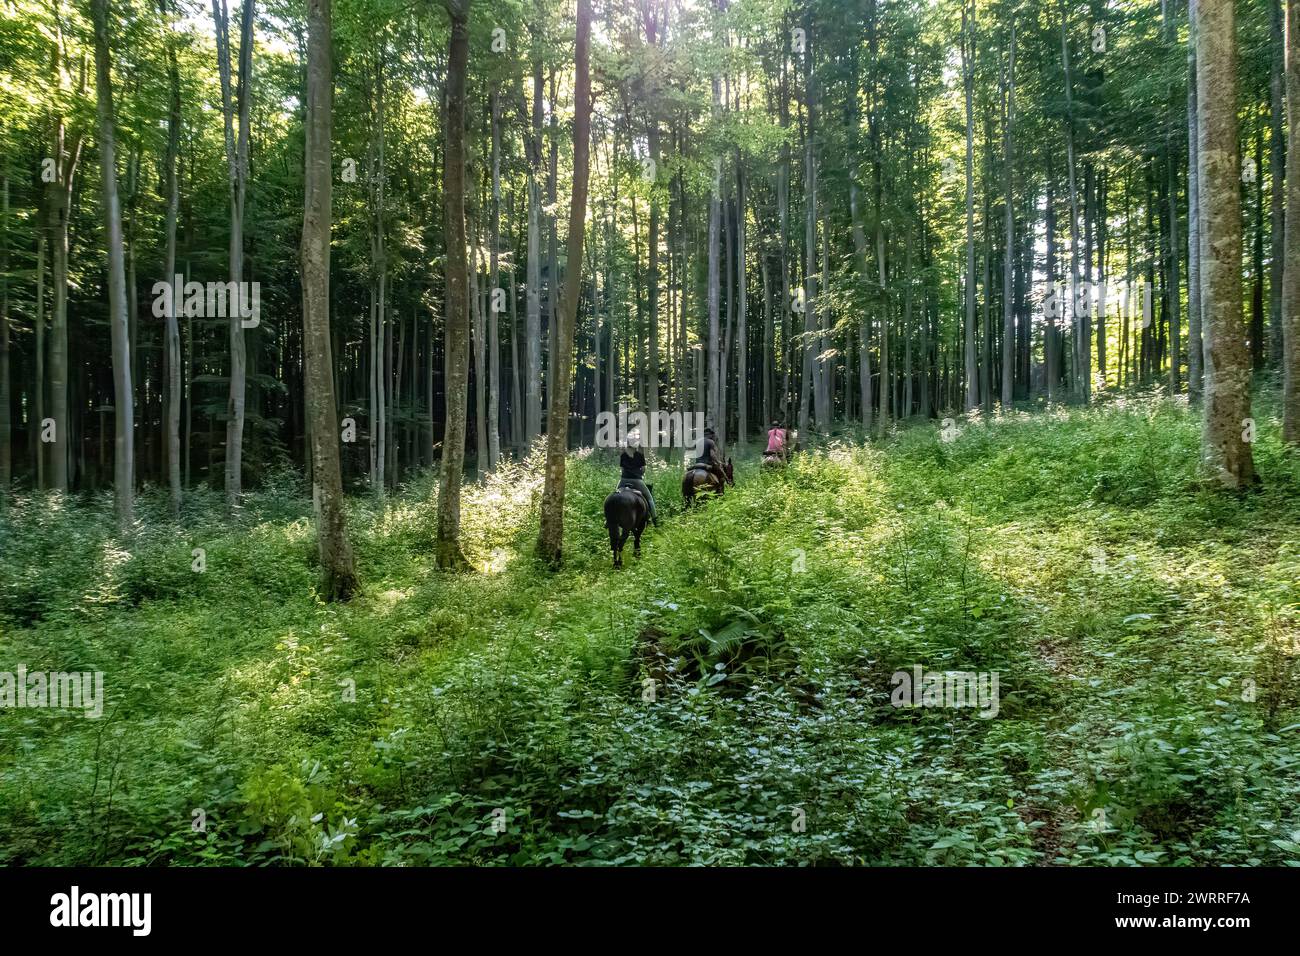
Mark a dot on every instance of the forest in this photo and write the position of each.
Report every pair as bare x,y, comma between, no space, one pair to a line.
321,324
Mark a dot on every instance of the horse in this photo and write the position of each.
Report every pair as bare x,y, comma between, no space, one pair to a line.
626,511
772,459
698,478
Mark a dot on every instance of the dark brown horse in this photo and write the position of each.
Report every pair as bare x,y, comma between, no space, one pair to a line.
626,511
699,478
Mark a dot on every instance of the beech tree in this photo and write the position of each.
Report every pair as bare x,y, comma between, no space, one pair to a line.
456,336
333,545
123,408
1227,425
551,536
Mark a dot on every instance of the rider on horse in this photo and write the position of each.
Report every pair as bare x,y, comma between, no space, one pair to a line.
709,459
778,441
632,466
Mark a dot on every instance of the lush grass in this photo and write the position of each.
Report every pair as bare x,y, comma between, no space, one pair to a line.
1123,605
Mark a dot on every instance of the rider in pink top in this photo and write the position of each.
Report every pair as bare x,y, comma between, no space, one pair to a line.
776,436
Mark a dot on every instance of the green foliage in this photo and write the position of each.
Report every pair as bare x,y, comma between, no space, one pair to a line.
1144,632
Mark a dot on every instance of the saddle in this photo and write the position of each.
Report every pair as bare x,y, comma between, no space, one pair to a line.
636,491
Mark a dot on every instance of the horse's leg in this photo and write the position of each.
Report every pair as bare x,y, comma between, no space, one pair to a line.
636,539
622,540
613,542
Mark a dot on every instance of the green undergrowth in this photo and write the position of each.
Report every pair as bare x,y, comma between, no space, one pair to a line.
725,699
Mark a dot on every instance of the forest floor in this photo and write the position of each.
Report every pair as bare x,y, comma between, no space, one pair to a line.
1144,631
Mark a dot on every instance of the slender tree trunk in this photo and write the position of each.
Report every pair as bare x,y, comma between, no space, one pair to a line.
1009,253
810,389
713,404
495,298
864,320
533,314
456,332
768,344
333,545
480,358
6,430
124,449
37,419
856,229
1175,245
882,419
968,74
1051,356
237,161
1195,352
516,393
1277,176
783,215
652,143
1082,337
1225,452
173,351
551,536
1291,272
742,371
58,198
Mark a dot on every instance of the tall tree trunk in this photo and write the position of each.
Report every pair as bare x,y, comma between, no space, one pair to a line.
58,199
1224,451
124,413
551,535
533,282
864,320
768,343
456,332
882,420
495,298
6,431
37,418
333,546
237,161
388,395
968,74
1195,353
1277,177
811,387
713,404
1175,253
652,311
1291,273
1175,245
1009,253
742,305
1051,351
552,231
856,229
1100,305
783,215
480,356
1082,328
173,348
516,392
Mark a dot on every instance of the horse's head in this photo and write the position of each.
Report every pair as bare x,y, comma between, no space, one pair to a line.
730,473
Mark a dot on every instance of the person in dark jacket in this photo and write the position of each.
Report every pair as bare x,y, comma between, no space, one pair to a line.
710,459
631,464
